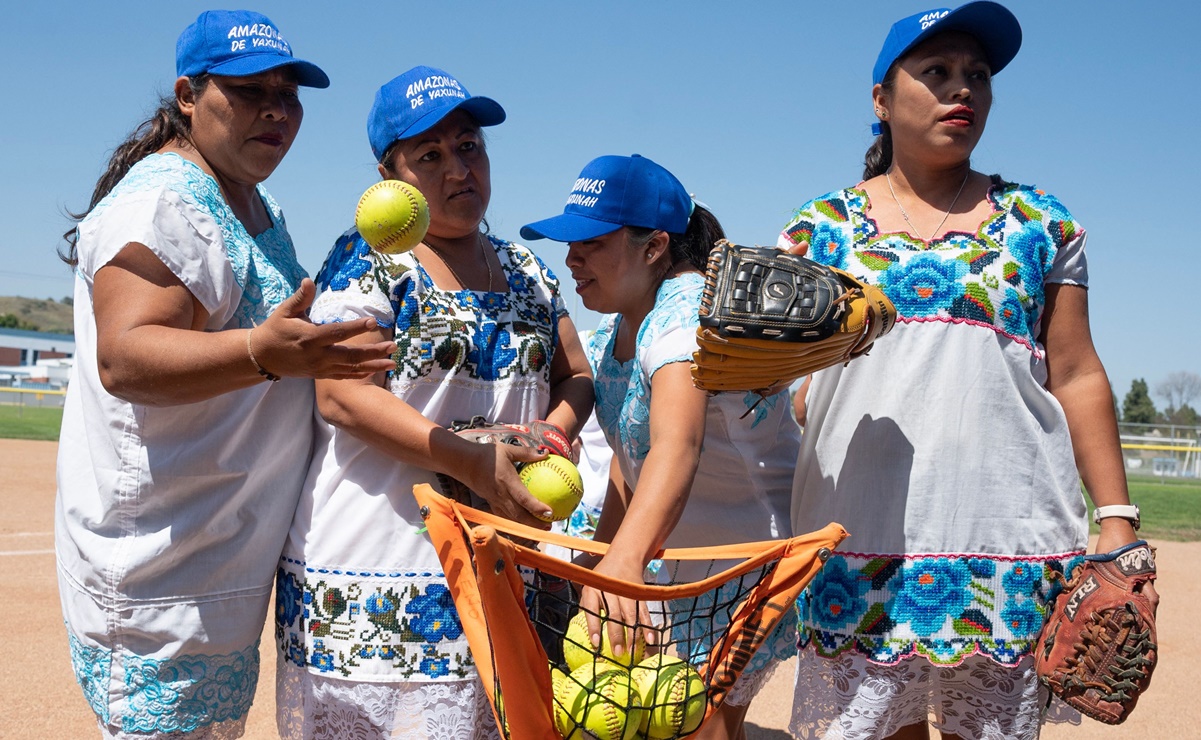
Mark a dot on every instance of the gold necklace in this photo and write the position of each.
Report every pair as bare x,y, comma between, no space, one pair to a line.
462,283
905,215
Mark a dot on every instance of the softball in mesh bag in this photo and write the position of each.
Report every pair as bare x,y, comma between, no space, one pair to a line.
673,696
578,650
598,702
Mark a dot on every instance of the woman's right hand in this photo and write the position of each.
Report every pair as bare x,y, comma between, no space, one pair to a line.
491,471
288,344
623,615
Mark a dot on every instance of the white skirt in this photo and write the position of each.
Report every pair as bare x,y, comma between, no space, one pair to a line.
849,697
314,707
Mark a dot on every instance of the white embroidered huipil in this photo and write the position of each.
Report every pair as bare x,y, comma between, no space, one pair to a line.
170,520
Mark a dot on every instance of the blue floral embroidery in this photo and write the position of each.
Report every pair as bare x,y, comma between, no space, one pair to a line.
404,623
923,285
1021,579
933,589
836,596
288,598
1021,617
999,280
92,666
434,666
943,607
436,618
832,243
346,263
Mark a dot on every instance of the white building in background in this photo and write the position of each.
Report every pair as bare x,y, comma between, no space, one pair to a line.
31,357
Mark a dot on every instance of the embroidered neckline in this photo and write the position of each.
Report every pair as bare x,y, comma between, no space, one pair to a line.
996,191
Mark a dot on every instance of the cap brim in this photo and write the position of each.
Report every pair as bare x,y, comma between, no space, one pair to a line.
307,73
992,24
485,111
568,227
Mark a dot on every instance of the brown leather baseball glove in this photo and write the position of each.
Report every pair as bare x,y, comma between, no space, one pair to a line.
1098,649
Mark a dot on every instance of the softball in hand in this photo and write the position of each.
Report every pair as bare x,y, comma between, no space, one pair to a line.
392,216
555,482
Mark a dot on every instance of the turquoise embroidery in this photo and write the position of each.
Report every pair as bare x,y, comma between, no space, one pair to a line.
265,267
994,277
623,389
180,694
944,607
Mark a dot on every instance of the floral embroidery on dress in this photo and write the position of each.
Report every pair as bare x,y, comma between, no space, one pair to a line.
993,277
179,694
345,622
944,607
264,266
623,389
471,334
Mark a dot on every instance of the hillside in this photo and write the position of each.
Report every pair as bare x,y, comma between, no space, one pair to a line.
37,314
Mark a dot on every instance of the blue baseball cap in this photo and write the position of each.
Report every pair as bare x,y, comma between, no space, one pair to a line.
613,192
415,101
239,43
997,30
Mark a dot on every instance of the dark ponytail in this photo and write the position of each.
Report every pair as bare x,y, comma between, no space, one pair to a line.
165,126
691,247
879,155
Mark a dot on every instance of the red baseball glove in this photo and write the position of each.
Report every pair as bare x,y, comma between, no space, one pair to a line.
1097,649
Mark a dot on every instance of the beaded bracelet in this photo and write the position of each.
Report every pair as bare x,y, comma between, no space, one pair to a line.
269,376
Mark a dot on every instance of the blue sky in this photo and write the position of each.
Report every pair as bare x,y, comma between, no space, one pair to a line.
757,107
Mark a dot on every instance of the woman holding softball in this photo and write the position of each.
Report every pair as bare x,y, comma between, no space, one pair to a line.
370,644
181,457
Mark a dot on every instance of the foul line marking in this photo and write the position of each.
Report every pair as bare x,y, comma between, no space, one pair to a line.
26,552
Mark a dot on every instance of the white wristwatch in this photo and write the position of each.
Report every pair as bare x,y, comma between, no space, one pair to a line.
1121,511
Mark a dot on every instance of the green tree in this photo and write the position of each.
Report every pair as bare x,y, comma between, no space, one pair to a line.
1138,408
12,321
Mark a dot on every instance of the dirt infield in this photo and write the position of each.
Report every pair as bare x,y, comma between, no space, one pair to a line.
43,701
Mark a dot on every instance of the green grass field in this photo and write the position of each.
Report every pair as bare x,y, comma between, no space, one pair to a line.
29,422
1171,507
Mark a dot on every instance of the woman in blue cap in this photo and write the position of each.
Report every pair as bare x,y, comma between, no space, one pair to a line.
181,458
954,453
371,645
637,248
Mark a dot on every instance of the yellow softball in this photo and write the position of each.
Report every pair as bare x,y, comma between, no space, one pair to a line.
673,695
598,703
578,650
555,482
392,216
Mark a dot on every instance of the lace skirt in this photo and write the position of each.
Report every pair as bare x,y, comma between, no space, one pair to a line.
229,730
313,707
849,697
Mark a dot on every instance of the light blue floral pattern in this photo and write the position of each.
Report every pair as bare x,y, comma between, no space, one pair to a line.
623,390
265,266
993,277
181,694
944,607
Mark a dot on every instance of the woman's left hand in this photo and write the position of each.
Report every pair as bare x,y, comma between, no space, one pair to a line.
1117,532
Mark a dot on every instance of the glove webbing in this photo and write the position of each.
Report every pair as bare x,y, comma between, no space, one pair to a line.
1096,641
